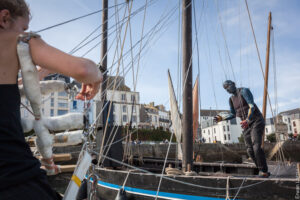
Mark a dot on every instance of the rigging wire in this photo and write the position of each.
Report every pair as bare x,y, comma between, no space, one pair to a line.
225,40
74,19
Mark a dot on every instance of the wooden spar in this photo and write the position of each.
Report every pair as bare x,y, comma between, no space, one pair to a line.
266,74
104,46
100,104
187,76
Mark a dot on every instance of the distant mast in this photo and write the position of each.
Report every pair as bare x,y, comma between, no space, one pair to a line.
187,78
264,111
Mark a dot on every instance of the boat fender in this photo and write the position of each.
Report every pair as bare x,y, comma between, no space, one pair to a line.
121,195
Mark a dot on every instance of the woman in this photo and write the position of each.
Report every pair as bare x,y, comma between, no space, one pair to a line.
20,173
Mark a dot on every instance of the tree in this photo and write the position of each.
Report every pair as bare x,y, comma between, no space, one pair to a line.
241,138
271,137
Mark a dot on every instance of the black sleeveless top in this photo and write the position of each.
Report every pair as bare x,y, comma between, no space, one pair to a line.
17,163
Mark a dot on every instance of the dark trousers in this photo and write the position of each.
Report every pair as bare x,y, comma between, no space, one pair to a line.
33,189
253,139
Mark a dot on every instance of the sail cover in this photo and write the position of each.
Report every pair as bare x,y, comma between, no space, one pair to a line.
175,116
195,111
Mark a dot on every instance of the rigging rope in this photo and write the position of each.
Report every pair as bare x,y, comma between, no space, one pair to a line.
74,19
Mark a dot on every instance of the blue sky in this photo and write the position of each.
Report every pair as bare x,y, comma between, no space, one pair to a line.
161,52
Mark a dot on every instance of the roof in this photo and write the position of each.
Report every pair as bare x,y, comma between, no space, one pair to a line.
211,113
290,112
120,83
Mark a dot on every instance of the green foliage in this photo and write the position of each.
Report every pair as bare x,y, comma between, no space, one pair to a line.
271,137
241,138
149,135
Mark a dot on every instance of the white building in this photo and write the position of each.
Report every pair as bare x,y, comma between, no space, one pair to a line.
54,104
289,117
224,132
125,103
126,107
269,127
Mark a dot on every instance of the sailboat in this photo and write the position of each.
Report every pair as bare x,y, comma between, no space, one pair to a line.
173,179
183,178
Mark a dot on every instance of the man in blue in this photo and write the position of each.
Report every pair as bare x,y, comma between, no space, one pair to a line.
242,105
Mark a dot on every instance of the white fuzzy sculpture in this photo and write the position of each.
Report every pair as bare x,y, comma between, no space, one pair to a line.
33,94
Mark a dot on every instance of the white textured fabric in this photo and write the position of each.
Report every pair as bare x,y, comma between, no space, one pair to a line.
27,124
69,138
47,87
44,140
69,121
30,78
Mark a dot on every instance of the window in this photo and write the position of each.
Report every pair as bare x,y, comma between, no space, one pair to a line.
224,129
43,111
25,113
62,112
124,118
62,94
290,127
155,117
203,131
209,140
113,107
134,109
294,123
224,136
51,112
52,102
295,130
228,136
208,132
132,98
52,94
74,105
266,130
124,108
62,105
123,97
289,119
214,130
227,128
133,118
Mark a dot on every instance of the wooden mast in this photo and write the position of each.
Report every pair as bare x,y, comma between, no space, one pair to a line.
187,104
100,104
267,73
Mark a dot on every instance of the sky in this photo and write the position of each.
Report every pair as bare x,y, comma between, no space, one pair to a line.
223,45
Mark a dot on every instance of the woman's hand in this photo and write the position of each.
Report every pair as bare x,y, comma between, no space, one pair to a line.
88,91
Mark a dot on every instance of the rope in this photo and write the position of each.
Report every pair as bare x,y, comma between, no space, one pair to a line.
74,19
227,189
165,162
106,125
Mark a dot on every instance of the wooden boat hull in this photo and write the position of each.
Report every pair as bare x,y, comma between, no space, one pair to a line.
141,186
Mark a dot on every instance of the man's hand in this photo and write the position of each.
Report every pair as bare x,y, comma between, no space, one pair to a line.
217,118
88,91
244,124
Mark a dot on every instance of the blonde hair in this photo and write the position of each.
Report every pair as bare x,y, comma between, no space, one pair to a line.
17,8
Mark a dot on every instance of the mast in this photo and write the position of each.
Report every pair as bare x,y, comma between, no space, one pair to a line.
267,73
103,60
187,104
